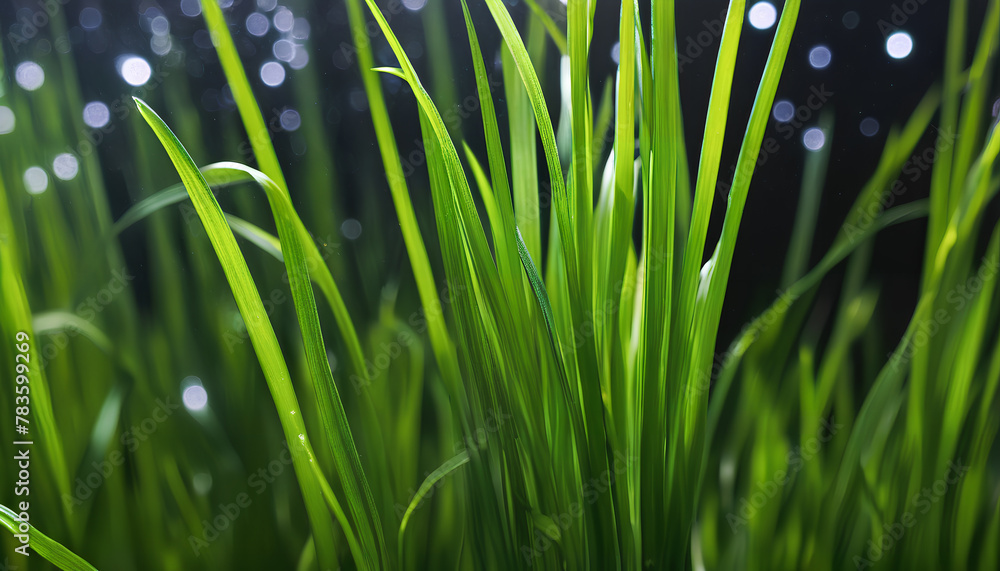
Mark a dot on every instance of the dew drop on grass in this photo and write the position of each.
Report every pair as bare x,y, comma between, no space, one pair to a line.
6,120
36,180
29,75
65,166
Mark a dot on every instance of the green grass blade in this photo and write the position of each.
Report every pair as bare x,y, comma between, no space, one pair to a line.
260,331
449,466
51,550
444,350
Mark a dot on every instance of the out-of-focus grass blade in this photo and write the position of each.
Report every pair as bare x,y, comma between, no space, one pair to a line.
835,255
449,466
15,317
557,35
253,121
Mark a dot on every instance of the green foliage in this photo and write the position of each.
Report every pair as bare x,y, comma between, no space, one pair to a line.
573,412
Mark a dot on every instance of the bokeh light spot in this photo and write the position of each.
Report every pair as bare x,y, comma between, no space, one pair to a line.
90,18
351,229
899,45
763,15
814,139
36,180
7,121
869,126
65,166
29,75
258,24
819,57
96,114
290,120
135,70
784,111
272,74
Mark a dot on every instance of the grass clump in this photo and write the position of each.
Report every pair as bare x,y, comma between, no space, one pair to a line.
573,362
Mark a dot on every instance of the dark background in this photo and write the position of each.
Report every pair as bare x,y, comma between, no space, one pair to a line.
865,82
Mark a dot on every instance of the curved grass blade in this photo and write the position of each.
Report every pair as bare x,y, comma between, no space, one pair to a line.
299,248
51,550
449,466
262,338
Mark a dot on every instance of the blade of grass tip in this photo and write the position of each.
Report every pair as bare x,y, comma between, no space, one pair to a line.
51,550
264,341
621,203
449,466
